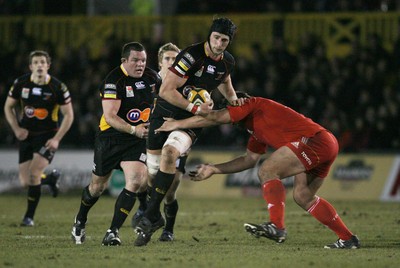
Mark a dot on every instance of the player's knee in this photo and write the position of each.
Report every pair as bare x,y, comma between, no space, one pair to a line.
265,175
170,154
97,188
302,198
177,144
153,164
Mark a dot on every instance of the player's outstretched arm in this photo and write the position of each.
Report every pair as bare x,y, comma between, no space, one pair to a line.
204,171
214,118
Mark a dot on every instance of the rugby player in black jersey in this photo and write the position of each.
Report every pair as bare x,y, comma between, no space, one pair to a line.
205,65
167,54
127,95
38,97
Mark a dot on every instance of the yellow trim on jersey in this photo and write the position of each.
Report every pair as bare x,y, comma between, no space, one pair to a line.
183,66
54,114
123,70
103,124
110,96
205,48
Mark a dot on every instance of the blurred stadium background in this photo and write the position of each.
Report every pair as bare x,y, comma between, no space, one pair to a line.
337,62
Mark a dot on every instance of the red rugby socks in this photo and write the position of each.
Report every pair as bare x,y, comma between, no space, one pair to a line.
274,194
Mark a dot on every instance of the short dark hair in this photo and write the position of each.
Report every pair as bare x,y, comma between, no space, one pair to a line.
135,46
39,53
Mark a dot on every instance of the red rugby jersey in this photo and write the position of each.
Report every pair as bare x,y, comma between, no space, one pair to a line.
271,123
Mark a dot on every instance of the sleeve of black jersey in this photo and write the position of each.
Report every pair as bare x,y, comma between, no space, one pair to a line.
186,59
15,91
230,60
155,80
65,95
109,87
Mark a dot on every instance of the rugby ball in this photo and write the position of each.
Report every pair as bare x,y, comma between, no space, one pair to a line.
195,95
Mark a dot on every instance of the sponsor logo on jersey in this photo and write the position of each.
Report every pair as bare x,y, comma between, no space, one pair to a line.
110,86
179,70
110,94
183,65
211,69
39,113
64,87
136,115
25,93
305,156
129,92
143,157
295,144
219,75
47,95
199,72
36,91
186,63
140,85
189,57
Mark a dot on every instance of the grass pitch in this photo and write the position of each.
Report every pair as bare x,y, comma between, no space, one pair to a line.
208,232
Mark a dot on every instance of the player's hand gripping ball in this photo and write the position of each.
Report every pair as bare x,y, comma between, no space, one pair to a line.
197,96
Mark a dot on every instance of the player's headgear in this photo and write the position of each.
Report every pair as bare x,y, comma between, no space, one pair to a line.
223,26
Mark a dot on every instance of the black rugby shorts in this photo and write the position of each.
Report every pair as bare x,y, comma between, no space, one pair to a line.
35,144
110,151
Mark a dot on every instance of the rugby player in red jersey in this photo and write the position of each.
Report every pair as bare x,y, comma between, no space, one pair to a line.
303,149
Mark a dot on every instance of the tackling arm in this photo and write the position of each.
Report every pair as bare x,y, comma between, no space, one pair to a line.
214,118
204,171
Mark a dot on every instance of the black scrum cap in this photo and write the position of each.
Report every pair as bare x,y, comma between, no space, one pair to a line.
223,26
